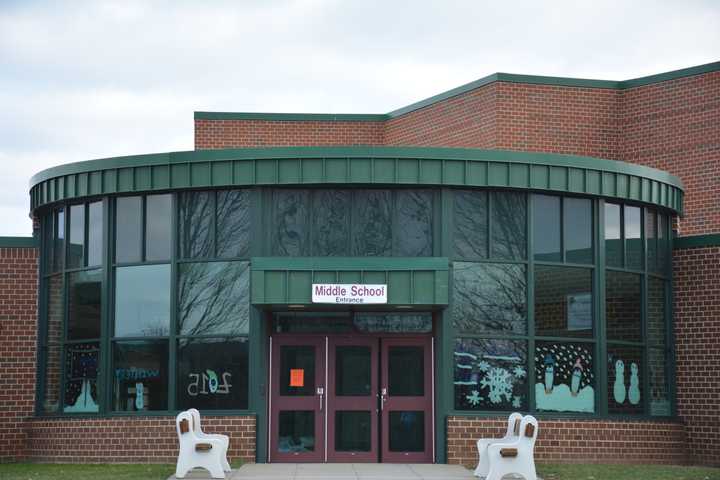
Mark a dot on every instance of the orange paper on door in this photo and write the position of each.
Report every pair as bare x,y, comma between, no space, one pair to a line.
297,377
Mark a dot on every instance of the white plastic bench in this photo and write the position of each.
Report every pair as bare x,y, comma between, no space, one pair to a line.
517,455
197,428
513,430
197,452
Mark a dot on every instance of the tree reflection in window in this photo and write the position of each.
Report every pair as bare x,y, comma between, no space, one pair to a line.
331,210
414,223
213,298
290,223
489,298
373,223
508,227
470,224
195,210
233,223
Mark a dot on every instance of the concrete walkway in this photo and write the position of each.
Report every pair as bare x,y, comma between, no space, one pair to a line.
341,471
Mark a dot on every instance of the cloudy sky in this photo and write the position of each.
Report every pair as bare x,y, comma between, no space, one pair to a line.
92,79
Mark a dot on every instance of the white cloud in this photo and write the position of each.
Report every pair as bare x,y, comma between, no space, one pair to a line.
97,78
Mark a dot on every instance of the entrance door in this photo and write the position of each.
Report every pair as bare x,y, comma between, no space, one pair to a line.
297,417
406,400
352,411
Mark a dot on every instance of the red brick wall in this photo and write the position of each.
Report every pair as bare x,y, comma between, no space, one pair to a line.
212,134
128,439
577,441
18,314
697,328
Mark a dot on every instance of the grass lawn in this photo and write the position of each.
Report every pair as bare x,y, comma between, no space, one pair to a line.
26,471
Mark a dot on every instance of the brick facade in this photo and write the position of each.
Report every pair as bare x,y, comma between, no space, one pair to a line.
697,328
18,335
577,441
128,439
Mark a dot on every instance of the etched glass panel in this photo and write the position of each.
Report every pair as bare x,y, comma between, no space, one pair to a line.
508,226
563,301
213,374
414,235
490,374
564,377
372,229
233,223
470,224
489,298
195,223
331,210
546,228
623,306
290,236
625,383
213,298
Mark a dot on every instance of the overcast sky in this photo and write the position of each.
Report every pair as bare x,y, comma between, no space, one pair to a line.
91,79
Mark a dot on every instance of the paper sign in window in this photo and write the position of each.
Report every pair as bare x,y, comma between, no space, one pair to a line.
297,377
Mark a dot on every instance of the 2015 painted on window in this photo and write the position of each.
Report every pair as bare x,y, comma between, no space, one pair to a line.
207,383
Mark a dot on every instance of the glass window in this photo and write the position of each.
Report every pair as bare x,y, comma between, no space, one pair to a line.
625,384
393,322
55,306
651,239
406,371
563,301
81,373
353,431
128,229
470,224
140,372
142,301
76,247
578,230
289,229
331,219
657,326
84,304
622,306
659,389
52,349
59,241
51,385
213,374
195,222
233,223
564,377
633,240
546,228
213,298
353,370
489,298
414,235
509,213
95,234
663,244
157,227
407,431
490,374
613,236
372,229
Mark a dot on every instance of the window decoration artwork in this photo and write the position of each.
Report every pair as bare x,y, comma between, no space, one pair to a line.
490,374
81,368
564,377
140,376
625,391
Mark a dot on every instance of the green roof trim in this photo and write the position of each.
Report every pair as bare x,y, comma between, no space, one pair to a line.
286,166
495,77
293,117
18,242
697,241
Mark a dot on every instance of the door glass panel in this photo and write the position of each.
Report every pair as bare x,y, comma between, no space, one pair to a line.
352,371
296,432
407,431
352,431
297,371
406,373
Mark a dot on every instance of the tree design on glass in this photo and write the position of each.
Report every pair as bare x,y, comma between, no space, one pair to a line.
81,365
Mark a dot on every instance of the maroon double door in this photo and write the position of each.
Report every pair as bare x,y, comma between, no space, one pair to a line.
351,399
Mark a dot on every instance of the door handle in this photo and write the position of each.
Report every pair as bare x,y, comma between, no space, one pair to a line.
321,394
382,398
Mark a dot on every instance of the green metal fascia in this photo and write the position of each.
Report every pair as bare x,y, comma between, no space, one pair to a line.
358,165
294,117
18,242
410,281
697,241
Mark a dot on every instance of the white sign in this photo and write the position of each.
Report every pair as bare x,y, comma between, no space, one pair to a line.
579,311
348,293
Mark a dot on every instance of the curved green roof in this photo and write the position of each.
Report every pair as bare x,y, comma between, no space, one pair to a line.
359,166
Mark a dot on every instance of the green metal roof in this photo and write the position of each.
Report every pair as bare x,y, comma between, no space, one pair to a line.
357,166
18,242
495,77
